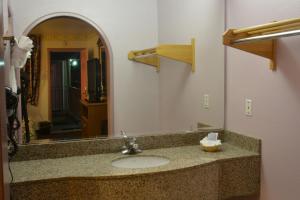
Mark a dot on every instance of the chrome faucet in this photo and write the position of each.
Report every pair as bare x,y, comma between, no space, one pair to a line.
130,147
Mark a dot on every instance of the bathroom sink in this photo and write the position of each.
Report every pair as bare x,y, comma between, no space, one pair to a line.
133,162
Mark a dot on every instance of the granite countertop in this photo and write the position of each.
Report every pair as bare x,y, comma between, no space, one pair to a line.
99,165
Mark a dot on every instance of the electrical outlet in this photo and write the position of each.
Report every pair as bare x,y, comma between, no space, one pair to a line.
248,107
206,101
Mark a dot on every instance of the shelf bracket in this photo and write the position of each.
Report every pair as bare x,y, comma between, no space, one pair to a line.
182,53
152,60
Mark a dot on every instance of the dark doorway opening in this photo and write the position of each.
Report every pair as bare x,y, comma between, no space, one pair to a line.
65,74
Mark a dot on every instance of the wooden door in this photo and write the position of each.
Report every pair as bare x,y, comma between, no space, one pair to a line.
4,172
4,187
56,87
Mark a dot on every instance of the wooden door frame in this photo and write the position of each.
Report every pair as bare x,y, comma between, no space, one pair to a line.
4,167
4,183
109,88
5,56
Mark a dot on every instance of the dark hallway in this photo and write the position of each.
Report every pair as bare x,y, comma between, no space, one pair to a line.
65,92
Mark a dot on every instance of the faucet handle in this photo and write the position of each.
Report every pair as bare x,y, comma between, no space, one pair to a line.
123,133
128,139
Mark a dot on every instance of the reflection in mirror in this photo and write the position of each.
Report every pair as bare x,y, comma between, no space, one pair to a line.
65,82
77,89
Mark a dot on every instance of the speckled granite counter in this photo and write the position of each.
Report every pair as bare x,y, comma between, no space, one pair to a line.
191,174
100,165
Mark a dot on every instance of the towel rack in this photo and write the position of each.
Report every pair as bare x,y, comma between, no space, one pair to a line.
261,39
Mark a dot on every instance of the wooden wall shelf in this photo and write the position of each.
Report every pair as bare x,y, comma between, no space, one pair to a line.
261,39
182,53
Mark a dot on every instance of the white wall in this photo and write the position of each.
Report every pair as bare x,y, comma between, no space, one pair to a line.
181,92
128,25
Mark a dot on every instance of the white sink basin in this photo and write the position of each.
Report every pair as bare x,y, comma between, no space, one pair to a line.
132,162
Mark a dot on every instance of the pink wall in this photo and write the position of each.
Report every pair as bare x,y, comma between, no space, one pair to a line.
275,95
180,91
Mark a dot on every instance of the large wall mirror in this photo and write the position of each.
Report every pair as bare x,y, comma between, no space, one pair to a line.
65,80
80,83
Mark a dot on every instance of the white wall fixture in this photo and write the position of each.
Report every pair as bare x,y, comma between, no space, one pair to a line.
206,101
248,107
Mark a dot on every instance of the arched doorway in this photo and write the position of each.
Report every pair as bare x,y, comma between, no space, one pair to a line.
98,56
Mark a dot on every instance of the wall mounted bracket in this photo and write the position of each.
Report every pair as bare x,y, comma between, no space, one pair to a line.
182,53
